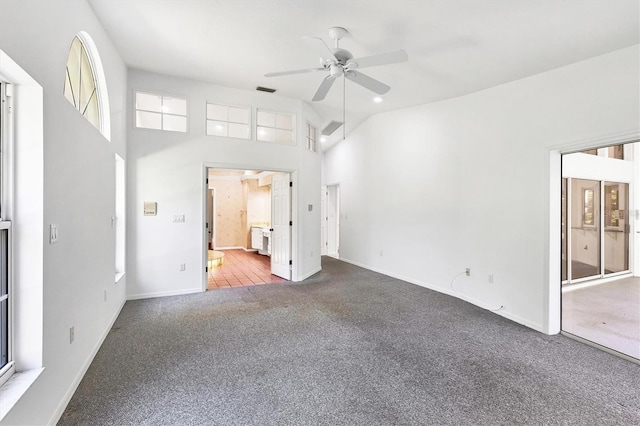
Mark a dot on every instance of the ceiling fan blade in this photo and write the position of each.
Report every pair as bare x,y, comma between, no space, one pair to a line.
381,59
324,88
277,74
368,82
321,48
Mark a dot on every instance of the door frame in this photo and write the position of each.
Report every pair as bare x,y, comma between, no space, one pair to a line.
211,215
553,243
333,226
601,274
293,174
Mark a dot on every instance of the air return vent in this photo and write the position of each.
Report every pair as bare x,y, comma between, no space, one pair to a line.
331,127
265,89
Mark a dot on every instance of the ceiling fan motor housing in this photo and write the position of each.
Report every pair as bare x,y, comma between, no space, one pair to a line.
342,55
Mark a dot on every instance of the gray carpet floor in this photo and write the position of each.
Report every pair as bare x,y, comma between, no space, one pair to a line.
345,347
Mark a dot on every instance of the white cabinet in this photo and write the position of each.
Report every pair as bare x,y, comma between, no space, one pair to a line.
261,240
257,239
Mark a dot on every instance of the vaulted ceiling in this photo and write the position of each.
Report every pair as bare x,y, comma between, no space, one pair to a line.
455,47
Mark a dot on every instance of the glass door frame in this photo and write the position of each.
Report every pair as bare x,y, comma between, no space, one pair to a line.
601,231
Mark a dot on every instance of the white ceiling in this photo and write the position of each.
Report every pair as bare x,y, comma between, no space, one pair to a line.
454,47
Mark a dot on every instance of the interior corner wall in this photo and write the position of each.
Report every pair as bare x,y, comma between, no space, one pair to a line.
78,195
431,190
168,168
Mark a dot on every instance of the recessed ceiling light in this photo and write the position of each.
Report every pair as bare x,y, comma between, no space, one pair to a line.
323,139
377,99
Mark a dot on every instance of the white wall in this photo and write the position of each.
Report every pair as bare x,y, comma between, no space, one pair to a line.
79,186
466,183
168,168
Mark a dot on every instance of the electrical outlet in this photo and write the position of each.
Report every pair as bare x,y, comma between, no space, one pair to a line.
467,272
183,267
490,278
72,334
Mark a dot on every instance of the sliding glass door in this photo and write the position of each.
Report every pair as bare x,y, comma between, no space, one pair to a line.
616,227
595,231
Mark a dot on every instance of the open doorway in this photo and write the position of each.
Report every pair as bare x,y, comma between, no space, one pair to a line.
600,286
330,221
248,227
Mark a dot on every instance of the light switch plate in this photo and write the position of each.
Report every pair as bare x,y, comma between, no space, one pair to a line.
53,233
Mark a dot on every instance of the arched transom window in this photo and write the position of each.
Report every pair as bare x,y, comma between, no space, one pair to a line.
84,83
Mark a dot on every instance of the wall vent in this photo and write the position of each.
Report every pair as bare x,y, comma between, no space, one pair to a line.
265,89
331,127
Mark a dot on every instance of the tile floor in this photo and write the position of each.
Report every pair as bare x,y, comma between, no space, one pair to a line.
242,269
607,314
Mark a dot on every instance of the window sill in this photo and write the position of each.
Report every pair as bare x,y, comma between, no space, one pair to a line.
15,388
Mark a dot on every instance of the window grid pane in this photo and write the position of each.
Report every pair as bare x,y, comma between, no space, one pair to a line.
228,121
312,133
275,127
159,112
174,123
239,131
148,102
148,120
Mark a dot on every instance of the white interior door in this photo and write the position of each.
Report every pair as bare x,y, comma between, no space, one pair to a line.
280,223
323,221
211,226
333,221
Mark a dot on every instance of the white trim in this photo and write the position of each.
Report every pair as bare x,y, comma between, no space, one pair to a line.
566,288
502,312
15,387
55,417
203,213
100,82
26,214
315,271
598,346
163,294
553,186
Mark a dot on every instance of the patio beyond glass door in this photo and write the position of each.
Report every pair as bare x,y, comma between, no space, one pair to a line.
595,229
616,227
585,228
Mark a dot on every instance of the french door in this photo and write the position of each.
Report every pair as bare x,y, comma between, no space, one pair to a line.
595,229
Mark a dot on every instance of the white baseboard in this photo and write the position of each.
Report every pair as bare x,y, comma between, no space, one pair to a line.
230,248
163,294
304,277
503,312
83,370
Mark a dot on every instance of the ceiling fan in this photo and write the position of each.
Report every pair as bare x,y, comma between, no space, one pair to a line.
341,63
